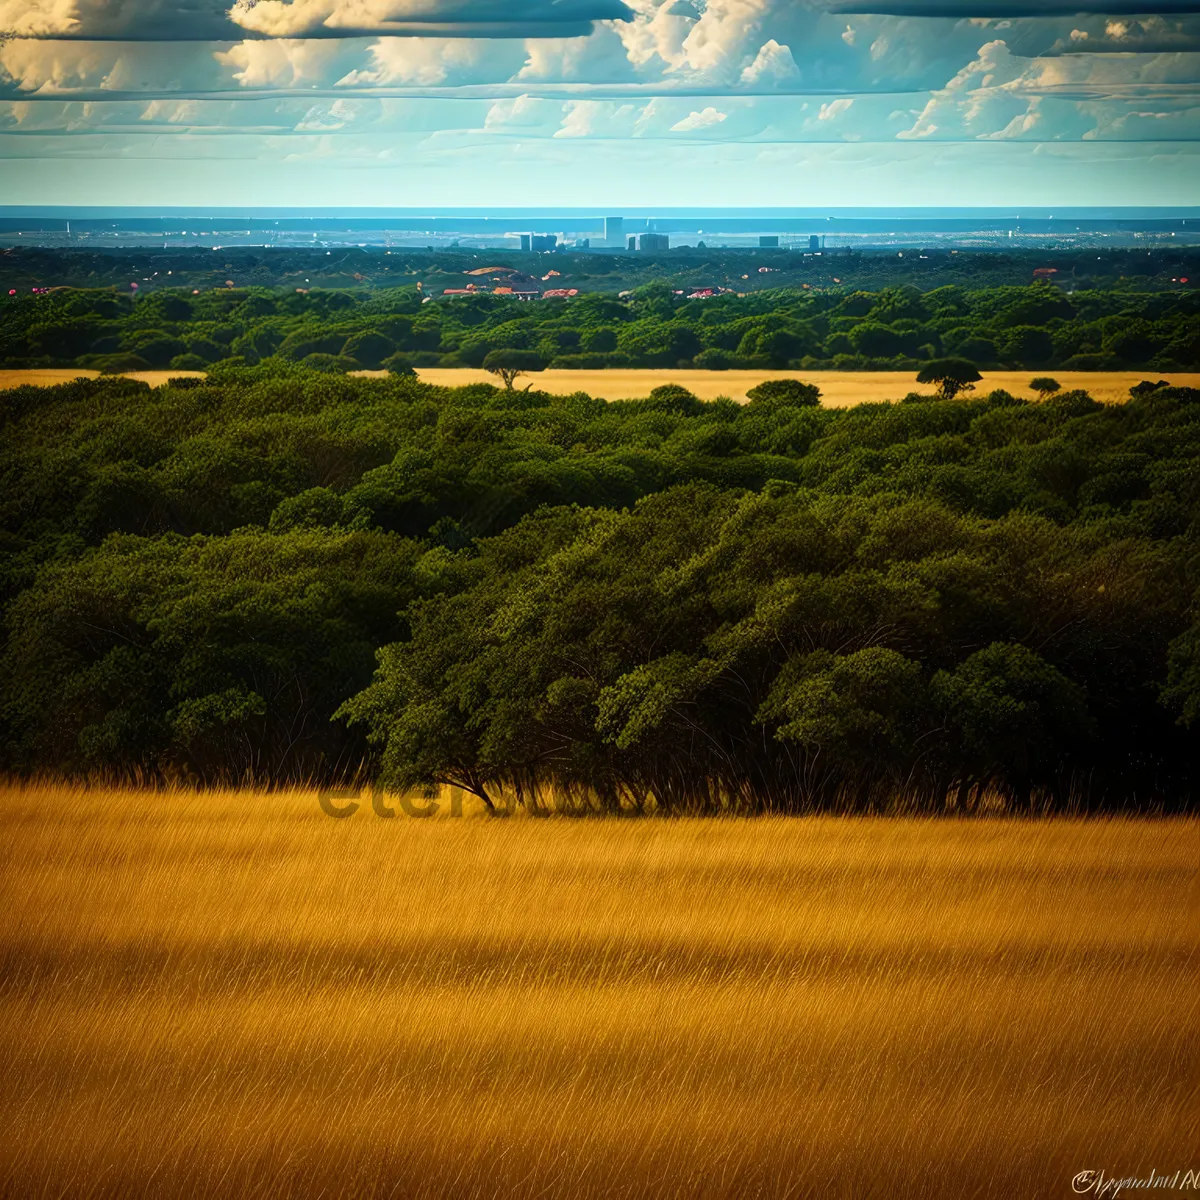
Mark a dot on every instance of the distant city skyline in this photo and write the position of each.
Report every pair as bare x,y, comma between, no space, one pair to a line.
543,229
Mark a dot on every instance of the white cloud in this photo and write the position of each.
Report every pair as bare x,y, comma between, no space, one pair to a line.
49,67
655,37
704,119
773,66
600,58
718,45
834,109
522,114
598,118
1020,125
284,62
38,18
421,62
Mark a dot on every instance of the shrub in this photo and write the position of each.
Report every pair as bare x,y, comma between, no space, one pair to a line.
785,393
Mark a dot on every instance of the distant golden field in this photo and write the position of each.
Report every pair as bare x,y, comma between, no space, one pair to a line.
231,994
839,389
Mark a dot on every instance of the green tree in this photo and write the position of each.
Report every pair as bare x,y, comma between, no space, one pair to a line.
952,375
784,393
509,365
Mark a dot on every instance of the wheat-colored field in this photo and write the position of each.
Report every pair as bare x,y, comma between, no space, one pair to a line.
231,994
50,376
839,389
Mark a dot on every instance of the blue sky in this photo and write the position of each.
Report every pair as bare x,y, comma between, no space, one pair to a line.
599,102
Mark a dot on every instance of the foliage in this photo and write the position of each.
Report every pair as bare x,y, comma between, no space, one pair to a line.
798,327
952,375
508,364
653,603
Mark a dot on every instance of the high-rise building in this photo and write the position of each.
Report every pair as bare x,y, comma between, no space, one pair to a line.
654,241
538,242
814,242
768,241
632,243
614,231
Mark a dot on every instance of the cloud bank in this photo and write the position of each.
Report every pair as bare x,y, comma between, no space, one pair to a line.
431,81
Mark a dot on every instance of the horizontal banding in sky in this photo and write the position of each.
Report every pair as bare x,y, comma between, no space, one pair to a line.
211,20
1009,8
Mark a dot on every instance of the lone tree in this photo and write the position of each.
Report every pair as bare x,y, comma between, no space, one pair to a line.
1045,386
508,364
785,393
952,375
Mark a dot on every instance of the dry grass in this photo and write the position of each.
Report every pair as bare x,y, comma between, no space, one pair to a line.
231,994
50,376
839,389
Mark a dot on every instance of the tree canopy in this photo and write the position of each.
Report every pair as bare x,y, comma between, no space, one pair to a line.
1038,327
660,603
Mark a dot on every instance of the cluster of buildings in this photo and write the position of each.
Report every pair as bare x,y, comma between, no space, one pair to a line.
505,281
615,238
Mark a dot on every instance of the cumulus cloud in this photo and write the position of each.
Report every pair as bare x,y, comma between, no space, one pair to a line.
420,62
523,114
834,109
774,74
29,66
718,45
599,118
699,120
284,62
1145,35
773,66
600,58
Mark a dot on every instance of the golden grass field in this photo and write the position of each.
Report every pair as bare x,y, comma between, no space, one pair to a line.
231,994
839,389
50,376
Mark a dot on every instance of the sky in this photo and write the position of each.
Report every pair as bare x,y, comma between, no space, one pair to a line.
600,103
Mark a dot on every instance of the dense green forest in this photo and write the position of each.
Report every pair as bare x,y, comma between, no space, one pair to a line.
1032,326
282,574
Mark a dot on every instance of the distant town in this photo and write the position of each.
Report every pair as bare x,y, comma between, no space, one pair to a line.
651,231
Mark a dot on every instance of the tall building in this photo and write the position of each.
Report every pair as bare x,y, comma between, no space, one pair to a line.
814,242
654,241
614,231
539,241
768,241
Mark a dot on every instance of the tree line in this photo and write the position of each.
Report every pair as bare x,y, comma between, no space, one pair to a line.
659,604
1041,326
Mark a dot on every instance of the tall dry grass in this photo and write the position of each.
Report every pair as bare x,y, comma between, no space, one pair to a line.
839,389
232,994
